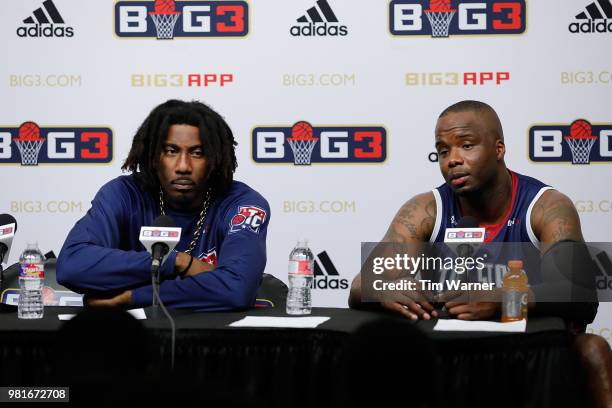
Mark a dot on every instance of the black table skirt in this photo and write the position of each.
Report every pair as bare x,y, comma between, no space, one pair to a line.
355,357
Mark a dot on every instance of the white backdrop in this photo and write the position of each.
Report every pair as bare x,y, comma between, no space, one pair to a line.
89,80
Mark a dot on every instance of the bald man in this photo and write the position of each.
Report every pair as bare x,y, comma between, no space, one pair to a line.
511,207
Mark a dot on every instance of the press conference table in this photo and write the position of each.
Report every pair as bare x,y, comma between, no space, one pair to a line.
306,367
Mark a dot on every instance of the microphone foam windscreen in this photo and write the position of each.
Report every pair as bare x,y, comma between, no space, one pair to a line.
8,219
468,222
164,221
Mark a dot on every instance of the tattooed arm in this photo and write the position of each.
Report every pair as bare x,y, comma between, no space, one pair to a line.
413,223
554,219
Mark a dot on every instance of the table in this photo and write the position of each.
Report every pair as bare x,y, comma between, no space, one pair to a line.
354,357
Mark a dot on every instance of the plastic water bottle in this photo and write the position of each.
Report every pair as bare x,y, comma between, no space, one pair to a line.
301,263
515,293
31,279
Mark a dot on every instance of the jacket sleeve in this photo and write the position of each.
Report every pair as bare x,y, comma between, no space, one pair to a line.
90,260
234,281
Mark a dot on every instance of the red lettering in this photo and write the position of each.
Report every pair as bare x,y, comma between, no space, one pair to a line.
101,145
375,145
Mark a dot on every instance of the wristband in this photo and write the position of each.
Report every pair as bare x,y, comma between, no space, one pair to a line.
182,273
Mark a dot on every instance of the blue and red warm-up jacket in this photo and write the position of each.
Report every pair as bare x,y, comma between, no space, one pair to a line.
103,254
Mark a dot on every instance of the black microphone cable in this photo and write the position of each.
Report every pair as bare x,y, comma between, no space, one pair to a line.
158,255
154,275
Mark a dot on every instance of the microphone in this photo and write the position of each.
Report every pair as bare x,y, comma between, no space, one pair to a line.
468,222
160,238
464,240
8,227
471,236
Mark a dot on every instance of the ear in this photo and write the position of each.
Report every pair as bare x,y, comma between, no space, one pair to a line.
500,149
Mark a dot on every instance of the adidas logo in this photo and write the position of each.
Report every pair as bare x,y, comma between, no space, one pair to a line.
603,273
45,22
597,18
328,277
319,21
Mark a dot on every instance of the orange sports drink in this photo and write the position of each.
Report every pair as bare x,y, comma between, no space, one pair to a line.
515,290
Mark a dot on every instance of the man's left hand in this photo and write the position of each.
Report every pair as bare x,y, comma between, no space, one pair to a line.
120,301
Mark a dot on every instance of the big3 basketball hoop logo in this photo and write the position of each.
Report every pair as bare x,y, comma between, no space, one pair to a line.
441,18
303,144
249,218
579,143
166,19
30,144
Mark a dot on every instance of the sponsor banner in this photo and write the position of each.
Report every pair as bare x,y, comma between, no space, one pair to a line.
586,77
168,19
596,18
578,143
322,80
45,22
319,20
44,80
457,78
45,206
444,18
305,144
176,80
326,276
30,144
323,206
587,206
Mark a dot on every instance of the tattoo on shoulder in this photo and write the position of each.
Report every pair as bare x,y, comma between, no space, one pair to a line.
557,220
406,217
429,221
413,221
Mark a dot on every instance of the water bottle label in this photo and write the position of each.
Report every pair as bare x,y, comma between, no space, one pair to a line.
32,270
300,268
513,303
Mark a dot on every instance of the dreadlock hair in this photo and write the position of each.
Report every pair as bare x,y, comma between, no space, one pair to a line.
217,140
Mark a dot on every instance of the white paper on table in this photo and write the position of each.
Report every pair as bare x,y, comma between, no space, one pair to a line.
138,314
486,326
302,322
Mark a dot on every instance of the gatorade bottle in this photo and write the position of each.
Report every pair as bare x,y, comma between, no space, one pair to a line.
515,290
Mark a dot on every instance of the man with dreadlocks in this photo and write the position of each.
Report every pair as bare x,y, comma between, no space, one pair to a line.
182,163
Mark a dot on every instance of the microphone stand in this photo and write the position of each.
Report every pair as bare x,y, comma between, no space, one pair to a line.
155,304
2,305
1,273
158,309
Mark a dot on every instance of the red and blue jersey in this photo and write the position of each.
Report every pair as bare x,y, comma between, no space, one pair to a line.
515,227
102,253
512,238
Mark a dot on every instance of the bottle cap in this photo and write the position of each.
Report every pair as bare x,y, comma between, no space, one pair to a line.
515,264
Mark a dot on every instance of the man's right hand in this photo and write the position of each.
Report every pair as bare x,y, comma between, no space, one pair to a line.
413,311
197,266
413,304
